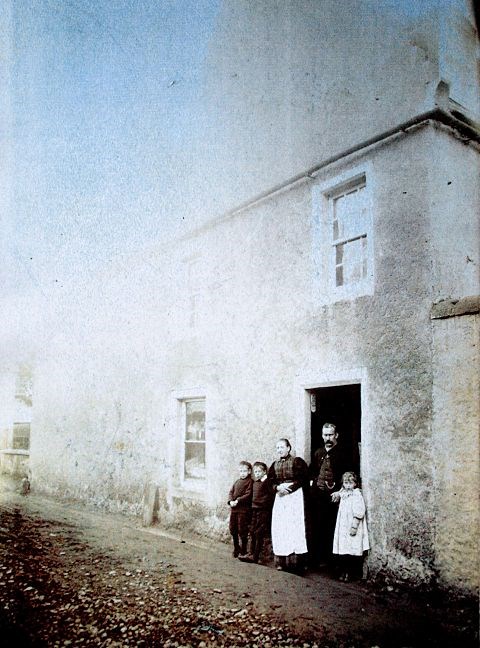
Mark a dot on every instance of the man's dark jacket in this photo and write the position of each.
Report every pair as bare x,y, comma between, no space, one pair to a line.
337,465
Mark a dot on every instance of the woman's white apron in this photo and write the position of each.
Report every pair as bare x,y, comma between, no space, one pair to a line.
288,524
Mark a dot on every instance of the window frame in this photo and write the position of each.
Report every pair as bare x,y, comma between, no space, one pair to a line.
184,479
325,245
179,484
344,191
13,444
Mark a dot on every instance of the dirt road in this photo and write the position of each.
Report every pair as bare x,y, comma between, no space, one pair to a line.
71,576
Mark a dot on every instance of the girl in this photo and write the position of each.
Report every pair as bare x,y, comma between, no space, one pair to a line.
351,536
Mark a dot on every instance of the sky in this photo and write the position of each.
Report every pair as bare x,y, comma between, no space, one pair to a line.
105,102
105,110
106,128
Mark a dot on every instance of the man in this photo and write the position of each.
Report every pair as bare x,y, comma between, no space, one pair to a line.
326,472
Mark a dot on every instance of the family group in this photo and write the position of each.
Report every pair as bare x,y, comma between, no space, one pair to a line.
315,515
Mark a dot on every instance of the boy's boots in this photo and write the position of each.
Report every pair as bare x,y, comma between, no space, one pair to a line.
254,553
236,546
243,545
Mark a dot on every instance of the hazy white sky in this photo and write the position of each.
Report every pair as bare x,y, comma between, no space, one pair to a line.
115,137
105,107
108,128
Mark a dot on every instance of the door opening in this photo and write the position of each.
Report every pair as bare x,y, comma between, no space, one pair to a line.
340,405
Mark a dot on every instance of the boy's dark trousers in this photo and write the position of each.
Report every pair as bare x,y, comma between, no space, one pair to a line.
259,530
239,523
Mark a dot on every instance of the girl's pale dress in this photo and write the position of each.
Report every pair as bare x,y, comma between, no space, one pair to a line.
351,505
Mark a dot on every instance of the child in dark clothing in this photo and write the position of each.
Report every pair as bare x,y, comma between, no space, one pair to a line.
262,501
240,500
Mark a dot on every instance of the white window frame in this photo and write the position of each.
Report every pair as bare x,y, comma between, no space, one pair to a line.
179,479
324,244
186,442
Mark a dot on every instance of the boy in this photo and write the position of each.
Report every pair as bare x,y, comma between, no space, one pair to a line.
262,500
239,500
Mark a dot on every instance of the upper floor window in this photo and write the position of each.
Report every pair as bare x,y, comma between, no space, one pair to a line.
349,214
343,237
23,385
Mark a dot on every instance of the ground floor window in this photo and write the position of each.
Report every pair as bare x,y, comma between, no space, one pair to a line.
21,436
194,439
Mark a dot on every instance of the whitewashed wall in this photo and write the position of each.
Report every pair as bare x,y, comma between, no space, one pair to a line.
105,425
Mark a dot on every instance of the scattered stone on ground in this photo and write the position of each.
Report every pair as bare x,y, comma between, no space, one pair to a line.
73,577
56,591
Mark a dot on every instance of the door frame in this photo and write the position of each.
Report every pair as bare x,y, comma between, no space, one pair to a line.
303,386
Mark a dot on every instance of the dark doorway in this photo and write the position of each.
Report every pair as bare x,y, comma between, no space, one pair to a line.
342,406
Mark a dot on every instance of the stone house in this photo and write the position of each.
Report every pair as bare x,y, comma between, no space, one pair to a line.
15,418
341,283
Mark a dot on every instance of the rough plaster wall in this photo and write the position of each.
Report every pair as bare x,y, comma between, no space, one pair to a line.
92,433
276,329
455,237
455,225
456,425
104,424
104,430
398,352
388,334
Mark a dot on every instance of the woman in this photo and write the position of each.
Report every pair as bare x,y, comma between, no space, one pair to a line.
288,477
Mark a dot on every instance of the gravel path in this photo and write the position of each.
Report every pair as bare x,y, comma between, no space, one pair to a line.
70,576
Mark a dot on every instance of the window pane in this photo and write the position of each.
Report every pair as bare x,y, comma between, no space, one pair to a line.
339,254
195,420
354,261
364,252
23,385
194,467
349,215
339,275
195,460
